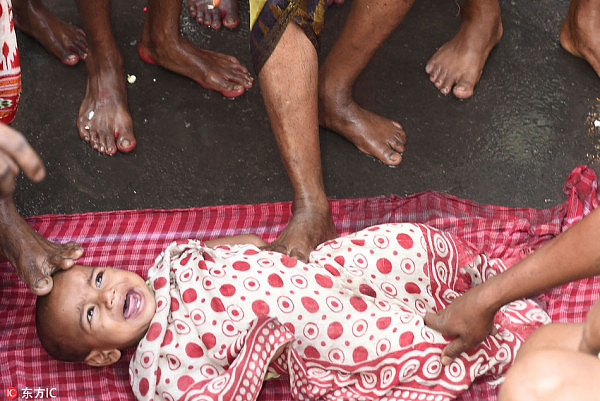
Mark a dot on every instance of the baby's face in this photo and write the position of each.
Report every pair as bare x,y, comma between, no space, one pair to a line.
103,307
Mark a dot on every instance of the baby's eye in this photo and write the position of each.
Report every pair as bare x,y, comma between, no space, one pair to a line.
99,279
90,313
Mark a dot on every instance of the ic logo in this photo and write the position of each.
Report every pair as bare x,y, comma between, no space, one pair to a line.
11,393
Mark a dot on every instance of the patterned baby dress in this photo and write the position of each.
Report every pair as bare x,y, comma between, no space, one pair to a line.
348,325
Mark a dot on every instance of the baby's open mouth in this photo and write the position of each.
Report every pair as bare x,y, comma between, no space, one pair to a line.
132,304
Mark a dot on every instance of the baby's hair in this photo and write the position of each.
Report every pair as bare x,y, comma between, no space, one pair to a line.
54,339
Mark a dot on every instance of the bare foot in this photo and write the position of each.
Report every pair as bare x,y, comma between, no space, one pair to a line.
311,224
104,120
64,41
215,71
33,257
580,33
372,134
226,13
459,63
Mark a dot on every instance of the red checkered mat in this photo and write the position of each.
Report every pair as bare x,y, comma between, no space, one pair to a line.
132,239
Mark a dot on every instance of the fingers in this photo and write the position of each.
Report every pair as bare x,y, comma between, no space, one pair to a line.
295,253
432,320
455,347
453,350
15,147
8,173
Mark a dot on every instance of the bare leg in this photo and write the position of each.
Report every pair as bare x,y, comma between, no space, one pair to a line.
549,368
64,41
292,108
162,44
33,257
104,120
459,63
367,27
580,33
338,2
227,13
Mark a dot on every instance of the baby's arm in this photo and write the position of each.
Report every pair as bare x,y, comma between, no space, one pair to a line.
237,239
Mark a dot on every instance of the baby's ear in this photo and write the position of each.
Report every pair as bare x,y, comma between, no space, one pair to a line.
102,357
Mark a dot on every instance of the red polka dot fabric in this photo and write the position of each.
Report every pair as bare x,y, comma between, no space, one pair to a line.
348,325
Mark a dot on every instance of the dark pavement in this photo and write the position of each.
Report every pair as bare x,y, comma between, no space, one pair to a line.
530,122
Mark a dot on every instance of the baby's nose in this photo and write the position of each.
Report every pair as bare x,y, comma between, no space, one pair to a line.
110,297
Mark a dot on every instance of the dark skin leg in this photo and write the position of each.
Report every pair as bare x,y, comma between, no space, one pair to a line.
226,13
33,257
292,109
64,41
162,44
580,33
458,64
104,120
365,30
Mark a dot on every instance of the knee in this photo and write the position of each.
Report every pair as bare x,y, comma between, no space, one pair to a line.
534,377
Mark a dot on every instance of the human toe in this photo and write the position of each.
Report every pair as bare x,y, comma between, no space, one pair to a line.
235,91
84,134
463,90
216,20
429,67
110,148
277,247
70,59
126,144
73,250
299,254
231,20
42,285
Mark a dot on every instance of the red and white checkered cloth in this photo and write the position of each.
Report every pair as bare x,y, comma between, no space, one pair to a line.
132,239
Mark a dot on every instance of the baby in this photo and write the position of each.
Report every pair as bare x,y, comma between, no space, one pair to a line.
218,319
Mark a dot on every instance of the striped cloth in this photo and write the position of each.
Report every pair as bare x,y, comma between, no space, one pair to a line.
132,239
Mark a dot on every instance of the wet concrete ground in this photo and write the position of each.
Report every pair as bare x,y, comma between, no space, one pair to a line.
528,125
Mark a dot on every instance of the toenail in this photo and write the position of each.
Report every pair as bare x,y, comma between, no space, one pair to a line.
42,283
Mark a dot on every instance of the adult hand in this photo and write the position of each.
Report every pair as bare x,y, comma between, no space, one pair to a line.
467,320
15,153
